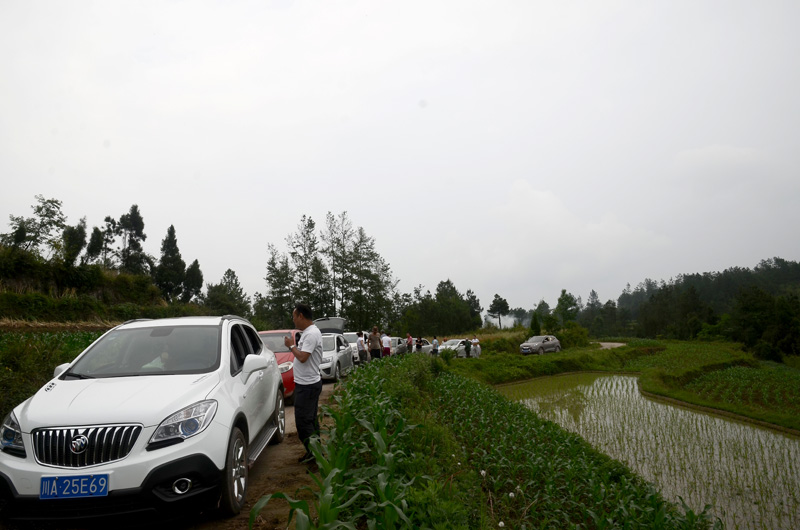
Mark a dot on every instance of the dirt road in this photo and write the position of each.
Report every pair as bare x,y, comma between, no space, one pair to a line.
276,470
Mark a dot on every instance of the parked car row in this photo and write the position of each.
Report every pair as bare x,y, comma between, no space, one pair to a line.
152,417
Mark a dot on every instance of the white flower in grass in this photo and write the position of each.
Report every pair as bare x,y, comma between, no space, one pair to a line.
483,472
511,495
501,524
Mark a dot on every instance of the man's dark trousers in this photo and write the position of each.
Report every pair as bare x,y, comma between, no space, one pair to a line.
306,405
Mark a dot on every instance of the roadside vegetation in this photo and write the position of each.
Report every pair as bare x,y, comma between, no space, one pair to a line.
27,360
407,450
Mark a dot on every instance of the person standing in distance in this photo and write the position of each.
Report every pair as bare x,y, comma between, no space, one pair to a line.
308,383
386,342
362,348
375,343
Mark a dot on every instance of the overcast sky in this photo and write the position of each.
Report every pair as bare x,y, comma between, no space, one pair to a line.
514,147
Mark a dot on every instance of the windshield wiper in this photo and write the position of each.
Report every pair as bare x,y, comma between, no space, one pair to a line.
78,376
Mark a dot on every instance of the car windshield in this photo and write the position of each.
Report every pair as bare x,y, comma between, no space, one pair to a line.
536,339
275,342
351,337
452,342
328,343
151,351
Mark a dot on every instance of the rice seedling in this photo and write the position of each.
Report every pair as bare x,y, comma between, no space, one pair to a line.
748,474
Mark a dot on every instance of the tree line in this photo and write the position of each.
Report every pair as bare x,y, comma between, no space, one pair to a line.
339,272
336,269
758,307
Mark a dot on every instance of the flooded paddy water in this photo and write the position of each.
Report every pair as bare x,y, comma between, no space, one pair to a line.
750,475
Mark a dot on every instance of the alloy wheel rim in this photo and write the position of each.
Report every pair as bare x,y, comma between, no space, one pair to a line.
239,471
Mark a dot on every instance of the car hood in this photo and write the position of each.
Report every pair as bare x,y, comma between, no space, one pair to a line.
530,343
144,399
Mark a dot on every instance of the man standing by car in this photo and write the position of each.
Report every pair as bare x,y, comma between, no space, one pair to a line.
308,383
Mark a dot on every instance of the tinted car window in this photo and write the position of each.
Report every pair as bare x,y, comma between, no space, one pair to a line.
240,348
255,343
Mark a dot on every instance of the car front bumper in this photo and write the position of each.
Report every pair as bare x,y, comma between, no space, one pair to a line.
141,482
153,497
326,369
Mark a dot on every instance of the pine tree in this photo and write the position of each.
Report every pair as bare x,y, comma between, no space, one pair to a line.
192,283
171,271
132,256
228,297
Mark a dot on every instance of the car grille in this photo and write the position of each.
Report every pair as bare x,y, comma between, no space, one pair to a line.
102,444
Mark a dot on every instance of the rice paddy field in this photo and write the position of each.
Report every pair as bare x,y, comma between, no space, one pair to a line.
749,475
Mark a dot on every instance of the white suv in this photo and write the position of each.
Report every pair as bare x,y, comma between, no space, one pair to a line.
154,415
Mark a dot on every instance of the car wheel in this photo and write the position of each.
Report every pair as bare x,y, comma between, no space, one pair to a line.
234,484
541,351
337,373
558,349
279,418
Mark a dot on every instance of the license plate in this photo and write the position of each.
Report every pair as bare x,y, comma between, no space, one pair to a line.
73,487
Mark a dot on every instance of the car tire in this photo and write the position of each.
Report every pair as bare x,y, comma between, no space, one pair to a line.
558,349
541,351
337,373
234,482
279,418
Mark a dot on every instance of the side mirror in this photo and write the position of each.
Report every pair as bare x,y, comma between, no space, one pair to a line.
60,369
253,363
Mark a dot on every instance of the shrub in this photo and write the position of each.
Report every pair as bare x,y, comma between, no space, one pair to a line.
574,336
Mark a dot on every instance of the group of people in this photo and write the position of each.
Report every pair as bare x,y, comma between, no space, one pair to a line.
377,345
308,355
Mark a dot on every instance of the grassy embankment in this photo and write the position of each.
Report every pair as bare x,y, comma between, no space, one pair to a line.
27,360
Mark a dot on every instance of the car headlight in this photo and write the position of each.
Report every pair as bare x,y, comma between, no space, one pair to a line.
285,367
11,438
327,356
186,423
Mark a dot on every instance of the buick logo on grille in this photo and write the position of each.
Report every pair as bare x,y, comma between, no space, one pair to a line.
79,444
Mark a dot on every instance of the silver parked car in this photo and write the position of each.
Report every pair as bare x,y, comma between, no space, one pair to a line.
337,353
337,357
352,339
540,344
